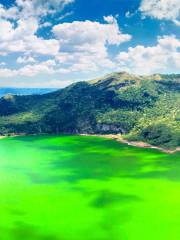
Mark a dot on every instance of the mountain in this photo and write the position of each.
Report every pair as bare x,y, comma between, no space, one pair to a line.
144,108
25,91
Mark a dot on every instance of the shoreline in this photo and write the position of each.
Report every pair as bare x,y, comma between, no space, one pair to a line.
1,137
117,137
139,144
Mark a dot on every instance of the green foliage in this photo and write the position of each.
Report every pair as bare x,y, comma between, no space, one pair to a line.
161,134
122,118
145,108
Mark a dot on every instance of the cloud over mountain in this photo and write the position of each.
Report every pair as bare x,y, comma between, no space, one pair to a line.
55,38
152,59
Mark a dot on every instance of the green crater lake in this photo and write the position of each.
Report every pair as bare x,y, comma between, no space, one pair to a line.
87,188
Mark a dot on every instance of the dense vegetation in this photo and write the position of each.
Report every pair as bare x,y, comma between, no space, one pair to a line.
145,108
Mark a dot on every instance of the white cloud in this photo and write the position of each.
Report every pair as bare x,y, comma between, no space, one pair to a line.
162,9
24,28
49,83
45,24
80,46
177,22
66,15
22,38
54,83
129,14
30,70
25,59
146,60
6,72
6,30
33,8
78,33
10,13
84,47
19,25
84,44
2,63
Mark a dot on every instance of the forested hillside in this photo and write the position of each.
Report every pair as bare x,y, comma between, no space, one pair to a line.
145,108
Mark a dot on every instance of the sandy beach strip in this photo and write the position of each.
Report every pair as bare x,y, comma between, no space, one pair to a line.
119,138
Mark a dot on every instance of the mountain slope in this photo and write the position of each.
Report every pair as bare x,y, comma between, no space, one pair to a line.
143,108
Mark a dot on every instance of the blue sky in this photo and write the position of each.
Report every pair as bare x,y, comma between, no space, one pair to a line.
52,43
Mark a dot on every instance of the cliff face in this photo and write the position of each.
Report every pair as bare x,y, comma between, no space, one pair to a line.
108,128
144,108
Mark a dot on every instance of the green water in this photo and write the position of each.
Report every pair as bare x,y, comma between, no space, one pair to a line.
87,188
